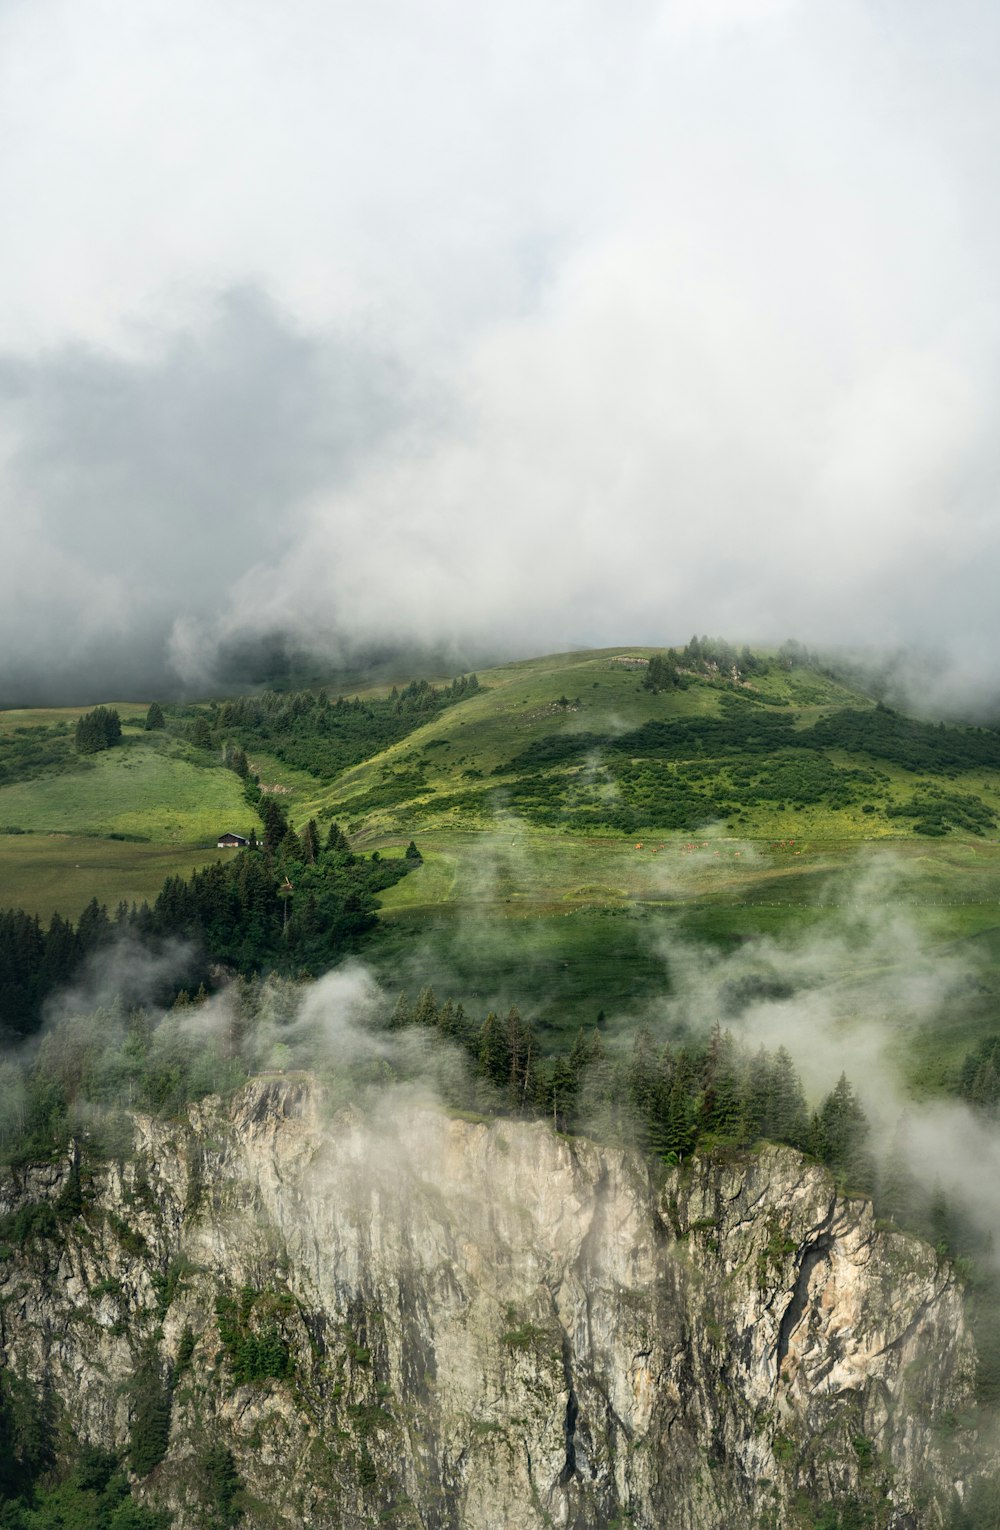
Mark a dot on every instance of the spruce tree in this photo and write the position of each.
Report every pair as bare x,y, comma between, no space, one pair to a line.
336,840
426,1012
789,1119
401,1015
310,843
839,1136
494,1053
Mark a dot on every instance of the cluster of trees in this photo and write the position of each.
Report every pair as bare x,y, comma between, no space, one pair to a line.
745,755
97,730
934,748
672,1098
294,903
800,779
29,752
35,959
716,653
979,1075
94,1494
935,812
702,1094
662,673
742,728
625,795
670,670
308,730
739,730
39,1490
253,1341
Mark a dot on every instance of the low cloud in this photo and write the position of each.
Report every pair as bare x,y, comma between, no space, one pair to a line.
531,331
141,491
852,993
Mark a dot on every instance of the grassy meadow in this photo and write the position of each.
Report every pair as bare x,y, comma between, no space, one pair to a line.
515,901
115,826
135,790
60,873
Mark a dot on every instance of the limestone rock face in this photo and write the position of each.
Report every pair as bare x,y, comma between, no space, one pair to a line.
417,1320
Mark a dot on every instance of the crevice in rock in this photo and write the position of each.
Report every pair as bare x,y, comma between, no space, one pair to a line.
793,1313
572,1409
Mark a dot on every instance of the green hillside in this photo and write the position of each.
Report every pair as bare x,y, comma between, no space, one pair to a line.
111,825
575,742
573,821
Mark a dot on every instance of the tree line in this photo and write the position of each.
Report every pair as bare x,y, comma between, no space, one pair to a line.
292,903
308,730
672,1099
673,669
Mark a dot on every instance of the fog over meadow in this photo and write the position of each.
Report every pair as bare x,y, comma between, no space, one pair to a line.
496,328
849,994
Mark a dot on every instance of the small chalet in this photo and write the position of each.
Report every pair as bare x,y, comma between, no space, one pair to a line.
230,841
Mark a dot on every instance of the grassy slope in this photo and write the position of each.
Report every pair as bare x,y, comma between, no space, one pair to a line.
170,804
520,704
60,873
566,923
135,791
502,908
132,716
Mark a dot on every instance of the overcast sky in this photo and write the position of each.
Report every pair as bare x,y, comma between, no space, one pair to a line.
503,325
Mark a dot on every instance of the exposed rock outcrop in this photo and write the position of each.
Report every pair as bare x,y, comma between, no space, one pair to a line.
426,1321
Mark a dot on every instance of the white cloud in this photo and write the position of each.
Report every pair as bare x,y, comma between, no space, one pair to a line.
691,309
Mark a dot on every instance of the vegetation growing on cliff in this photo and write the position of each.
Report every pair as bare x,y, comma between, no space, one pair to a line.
39,1493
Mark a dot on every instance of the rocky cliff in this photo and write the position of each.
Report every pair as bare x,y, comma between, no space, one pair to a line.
417,1320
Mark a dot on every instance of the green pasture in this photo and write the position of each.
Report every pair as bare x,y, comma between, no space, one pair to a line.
154,791
566,924
132,714
60,873
567,927
440,776
518,704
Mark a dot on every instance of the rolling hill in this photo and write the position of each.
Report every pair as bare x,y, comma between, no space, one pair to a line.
572,820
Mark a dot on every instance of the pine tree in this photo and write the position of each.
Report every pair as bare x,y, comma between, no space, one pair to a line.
310,843
401,1016
494,1053
642,1081
336,840
520,1045
154,717
275,824
789,1118
898,1189
563,1090
150,1429
93,927
426,1012
839,1135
